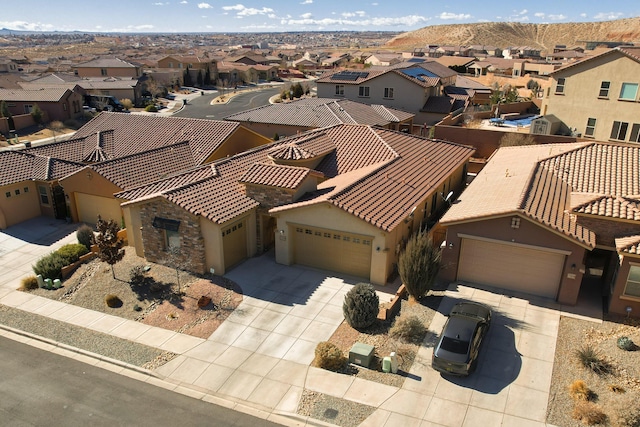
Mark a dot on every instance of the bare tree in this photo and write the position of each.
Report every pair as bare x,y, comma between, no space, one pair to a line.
109,245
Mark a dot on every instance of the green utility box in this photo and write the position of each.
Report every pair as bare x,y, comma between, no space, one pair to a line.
361,354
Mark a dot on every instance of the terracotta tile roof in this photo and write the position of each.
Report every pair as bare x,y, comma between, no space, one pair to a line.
148,166
133,133
276,175
107,63
612,207
629,245
17,166
174,181
381,174
291,152
552,183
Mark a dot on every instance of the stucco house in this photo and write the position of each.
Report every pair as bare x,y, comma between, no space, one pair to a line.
598,96
108,67
343,198
58,103
404,86
551,220
290,118
119,151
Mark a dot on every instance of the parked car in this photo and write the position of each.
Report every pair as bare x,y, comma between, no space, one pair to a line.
457,350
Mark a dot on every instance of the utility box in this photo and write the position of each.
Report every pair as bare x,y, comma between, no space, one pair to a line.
361,354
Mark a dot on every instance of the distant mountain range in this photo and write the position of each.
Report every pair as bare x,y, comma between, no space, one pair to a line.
505,34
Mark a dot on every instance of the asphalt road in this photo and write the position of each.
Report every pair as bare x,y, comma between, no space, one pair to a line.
38,388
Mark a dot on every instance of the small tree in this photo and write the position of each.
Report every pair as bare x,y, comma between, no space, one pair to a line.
126,103
361,306
199,79
175,259
187,78
37,114
298,91
55,126
418,264
109,245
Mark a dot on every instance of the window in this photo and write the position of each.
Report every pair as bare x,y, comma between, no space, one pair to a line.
363,91
44,195
171,239
7,194
560,85
591,127
339,90
28,108
388,92
25,189
635,133
629,91
619,130
17,192
103,71
604,90
633,282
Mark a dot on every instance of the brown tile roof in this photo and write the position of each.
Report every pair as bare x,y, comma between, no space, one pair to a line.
629,245
124,134
542,181
17,166
612,207
291,152
40,95
276,175
381,174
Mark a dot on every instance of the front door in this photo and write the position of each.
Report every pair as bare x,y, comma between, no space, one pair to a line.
59,202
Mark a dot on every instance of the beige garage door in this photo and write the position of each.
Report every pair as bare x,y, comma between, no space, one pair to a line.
90,206
333,250
234,242
517,268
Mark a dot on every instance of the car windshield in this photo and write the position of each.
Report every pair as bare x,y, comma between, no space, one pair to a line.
454,345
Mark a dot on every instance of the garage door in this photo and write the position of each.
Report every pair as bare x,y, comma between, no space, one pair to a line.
90,206
234,241
333,250
518,268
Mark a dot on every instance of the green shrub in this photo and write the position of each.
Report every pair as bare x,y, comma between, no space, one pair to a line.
72,252
112,301
85,236
50,266
409,329
361,306
418,264
151,108
625,343
28,283
329,356
588,413
591,359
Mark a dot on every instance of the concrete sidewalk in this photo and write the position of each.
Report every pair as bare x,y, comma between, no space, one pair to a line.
258,359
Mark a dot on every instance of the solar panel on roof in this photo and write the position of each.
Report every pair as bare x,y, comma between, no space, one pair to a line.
349,75
418,73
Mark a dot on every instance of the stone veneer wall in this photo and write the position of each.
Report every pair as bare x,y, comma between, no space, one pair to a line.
268,197
191,256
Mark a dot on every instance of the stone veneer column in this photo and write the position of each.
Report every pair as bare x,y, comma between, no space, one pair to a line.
268,197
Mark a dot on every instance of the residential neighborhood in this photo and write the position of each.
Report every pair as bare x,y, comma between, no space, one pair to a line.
249,202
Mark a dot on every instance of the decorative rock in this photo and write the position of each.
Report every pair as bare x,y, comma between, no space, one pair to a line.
204,301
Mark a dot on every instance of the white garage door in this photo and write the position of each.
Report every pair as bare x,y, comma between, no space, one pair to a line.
518,268
90,206
333,250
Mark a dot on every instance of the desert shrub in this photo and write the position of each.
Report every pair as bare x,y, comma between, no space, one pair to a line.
418,264
588,413
408,328
578,390
50,266
84,234
616,388
151,108
137,275
625,343
624,412
72,252
28,283
591,359
329,356
361,306
112,301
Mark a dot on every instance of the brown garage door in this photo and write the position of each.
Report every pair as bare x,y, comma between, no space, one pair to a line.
234,242
333,250
523,269
90,206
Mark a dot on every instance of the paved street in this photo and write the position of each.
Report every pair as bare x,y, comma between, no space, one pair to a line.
40,388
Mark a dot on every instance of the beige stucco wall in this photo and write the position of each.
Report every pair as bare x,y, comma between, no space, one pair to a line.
21,207
619,303
529,233
88,181
110,72
212,234
580,100
241,140
131,214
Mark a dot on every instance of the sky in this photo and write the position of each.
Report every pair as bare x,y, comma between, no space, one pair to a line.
179,16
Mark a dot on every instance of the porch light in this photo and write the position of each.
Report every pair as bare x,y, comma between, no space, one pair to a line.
628,310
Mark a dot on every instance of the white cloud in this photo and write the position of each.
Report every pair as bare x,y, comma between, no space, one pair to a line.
306,16
557,17
160,4
404,21
539,15
583,15
307,2
204,6
457,17
523,12
248,11
374,4
26,26
609,15
184,2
